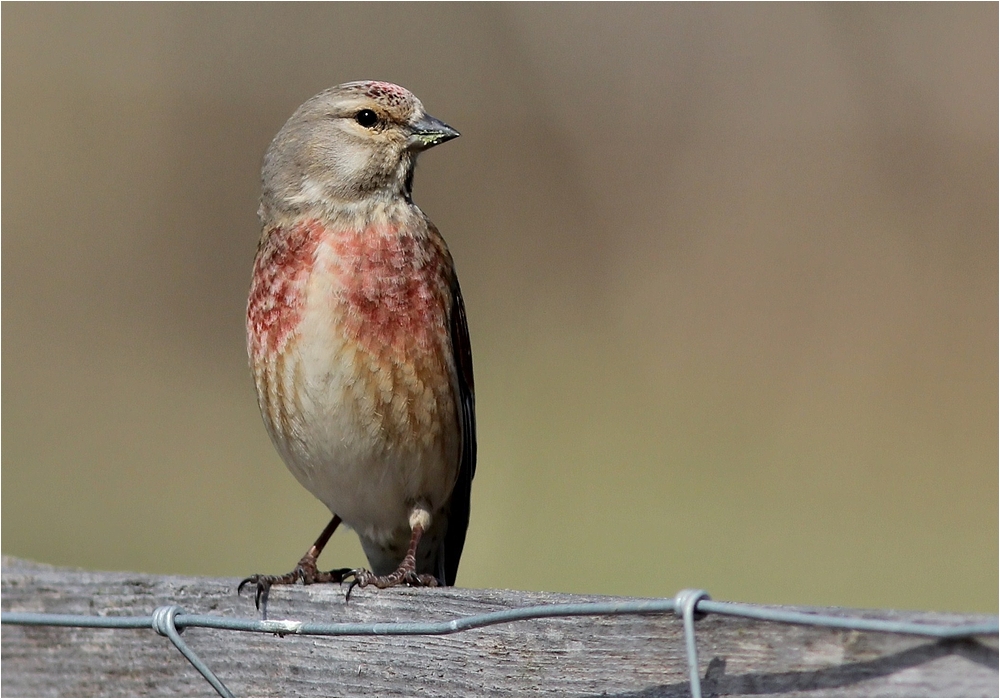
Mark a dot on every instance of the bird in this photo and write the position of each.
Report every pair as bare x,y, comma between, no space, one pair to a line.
358,341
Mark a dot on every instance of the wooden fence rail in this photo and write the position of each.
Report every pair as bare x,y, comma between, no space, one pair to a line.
581,656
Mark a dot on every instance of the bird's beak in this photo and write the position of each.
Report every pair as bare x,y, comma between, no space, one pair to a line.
428,131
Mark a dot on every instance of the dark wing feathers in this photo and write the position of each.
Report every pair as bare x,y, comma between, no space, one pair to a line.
458,516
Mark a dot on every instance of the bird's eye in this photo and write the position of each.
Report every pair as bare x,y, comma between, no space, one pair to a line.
366,118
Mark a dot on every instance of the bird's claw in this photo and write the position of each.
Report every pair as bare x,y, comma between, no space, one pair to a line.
262,584
401,576
305,572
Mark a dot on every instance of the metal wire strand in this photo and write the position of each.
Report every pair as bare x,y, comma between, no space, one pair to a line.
163,622
685,603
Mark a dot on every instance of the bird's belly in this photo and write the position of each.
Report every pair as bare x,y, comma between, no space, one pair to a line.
367,423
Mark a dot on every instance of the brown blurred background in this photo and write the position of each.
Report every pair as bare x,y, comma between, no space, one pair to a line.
731,274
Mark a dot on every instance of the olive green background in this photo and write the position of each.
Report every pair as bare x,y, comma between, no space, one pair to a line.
731,275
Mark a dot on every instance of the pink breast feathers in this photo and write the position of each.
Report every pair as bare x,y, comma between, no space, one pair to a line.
394,289
277,292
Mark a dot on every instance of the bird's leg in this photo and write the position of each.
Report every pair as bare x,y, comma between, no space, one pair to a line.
305,571
406,573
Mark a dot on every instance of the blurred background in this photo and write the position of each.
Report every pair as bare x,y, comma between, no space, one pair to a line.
730,270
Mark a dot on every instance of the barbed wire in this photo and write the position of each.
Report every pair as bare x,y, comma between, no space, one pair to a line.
171,621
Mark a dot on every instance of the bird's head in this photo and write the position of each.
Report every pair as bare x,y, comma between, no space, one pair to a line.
346,145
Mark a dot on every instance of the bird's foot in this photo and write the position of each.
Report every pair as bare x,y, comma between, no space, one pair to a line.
305,572
404,575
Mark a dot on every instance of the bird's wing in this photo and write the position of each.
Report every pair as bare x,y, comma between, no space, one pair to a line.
458,515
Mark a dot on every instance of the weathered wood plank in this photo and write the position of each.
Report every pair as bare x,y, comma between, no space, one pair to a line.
630,656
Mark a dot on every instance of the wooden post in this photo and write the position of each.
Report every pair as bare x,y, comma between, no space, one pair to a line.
629,655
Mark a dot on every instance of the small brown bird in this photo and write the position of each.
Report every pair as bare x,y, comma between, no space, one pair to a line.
357,337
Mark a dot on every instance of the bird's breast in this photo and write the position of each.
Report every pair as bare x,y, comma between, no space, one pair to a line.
389,309
349,342
385,289
393,289
284,263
